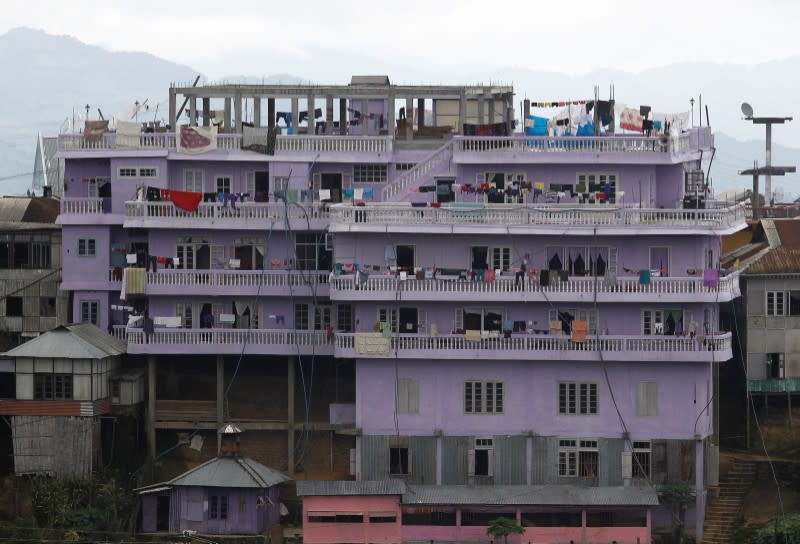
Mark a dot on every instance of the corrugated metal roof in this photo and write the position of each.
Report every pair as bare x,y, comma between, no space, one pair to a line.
781,260
230,472
77,341
553,495
28,210
350,487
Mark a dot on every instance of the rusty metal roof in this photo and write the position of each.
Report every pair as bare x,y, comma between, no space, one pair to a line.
28,209
783,257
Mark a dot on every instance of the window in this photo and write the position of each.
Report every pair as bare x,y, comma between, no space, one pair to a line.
127,172
616,518
115,390
403,166
430,516
388,315
482,463
249,252
322,318
14,306
577,398
501,258
89,311
399,461
579,260
148,172
381,517
482,519
369,173
481,319
776,368
193,181
52,386
551,519
218,507
578,458
242,505
407,396
310,252
664,321
184,311
641,459
193,253
24,251
281,184
223,184
47,306
647,399
87,247
567,315
775,302
301,316
589,184
99,187
483,397
344,317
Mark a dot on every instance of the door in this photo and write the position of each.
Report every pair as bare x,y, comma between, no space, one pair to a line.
262,186
659,261
480,258
162,513
332,182
405,258
444,190
409,323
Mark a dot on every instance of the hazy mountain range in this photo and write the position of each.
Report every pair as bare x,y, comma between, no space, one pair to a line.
47,78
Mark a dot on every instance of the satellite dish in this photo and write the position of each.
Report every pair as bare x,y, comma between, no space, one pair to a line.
747,109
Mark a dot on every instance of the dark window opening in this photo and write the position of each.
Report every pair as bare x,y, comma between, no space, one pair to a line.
398,461
14,306
322,518
405,258
616,518
408,320
383,519
435,518
47,306
52,386
21,259
776,368
480,258
444,190
333,183
551,519
482,519
794,302
344,317
162,513
349,518
481,462
8,385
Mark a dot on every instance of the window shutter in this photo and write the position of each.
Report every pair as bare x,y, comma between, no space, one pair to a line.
552,314
490,461
459,321
352,461
611,266
627,465
652,398
402,395
641,399
422,320
218,256
316,181
410,456
250,182
471,462
413,397
216,310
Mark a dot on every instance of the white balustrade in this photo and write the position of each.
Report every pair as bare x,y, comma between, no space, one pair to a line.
244,211
81,206
228,337
333,144
237,278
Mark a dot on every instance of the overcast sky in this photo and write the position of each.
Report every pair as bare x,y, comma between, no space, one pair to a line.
568,36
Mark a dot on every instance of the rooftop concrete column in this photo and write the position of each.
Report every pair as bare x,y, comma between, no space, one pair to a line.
271,112
491,113
462,112
290,413
173,108
312,122
365,121
409,118
257,111
526,112
193,111
151,406
220,397
343,116
390,122
481,106
295,115
328,114
206,111
433,112
227,119
238,112
420,113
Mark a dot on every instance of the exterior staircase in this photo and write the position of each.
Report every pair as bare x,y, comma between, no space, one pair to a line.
724,512
422,170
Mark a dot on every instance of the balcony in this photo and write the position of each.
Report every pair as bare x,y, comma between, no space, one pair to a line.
328,148
229,342
238,282
535,219
246,216
506,289
542,347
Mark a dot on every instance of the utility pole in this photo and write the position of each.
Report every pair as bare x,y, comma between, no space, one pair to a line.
747,110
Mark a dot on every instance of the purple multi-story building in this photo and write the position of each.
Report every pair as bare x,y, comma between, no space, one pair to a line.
491,307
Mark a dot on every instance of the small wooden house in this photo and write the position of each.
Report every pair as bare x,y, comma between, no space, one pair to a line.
229,494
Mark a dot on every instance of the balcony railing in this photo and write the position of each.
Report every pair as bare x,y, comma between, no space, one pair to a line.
82,206
520,143
246,279
230,341
513,215
261,213
508,288
526,346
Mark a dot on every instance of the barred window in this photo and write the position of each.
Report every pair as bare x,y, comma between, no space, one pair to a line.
577,398
369,173
483,397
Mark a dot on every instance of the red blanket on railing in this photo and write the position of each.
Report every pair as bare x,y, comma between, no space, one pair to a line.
186,200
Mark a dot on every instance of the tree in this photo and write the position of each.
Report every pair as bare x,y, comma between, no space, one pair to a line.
679,495
504,527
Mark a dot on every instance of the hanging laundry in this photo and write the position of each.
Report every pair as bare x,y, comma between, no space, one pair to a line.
153,194
710,278
579,330
93,131
630,119
128,134
196,139
544,278
644,277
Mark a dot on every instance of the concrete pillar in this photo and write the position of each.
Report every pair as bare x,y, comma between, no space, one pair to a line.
227,119
391,115
290,411
312,122
206,111
699,487
257,111
173,109
238,112
328,114
193,111
526,112
420,113
271,112
439,459
151,406
529,460
295,114
409,118
343,116
220,397
481,107
491,114
433,112
462,112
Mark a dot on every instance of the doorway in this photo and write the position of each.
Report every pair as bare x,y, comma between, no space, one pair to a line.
409,323
480,256
405,258
162,513
444,190
333,183
261,187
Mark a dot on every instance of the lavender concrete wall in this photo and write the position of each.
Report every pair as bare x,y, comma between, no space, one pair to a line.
531,398
102,298
86,272
189,510
75,170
